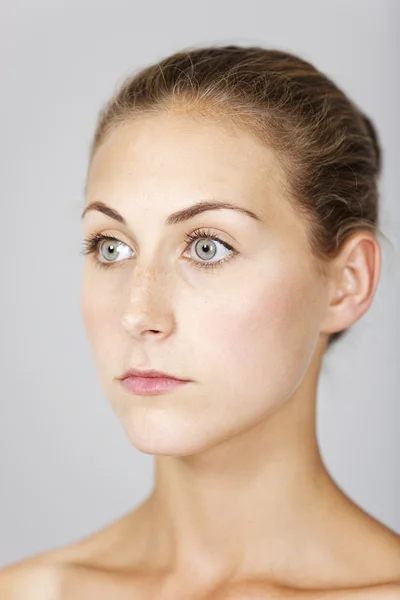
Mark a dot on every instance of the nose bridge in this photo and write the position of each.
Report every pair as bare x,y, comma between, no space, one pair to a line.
149,281
149,297
146,275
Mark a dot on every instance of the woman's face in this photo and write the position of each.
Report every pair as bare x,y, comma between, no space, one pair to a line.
243,332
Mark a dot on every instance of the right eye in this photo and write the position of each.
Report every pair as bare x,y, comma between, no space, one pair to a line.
114,248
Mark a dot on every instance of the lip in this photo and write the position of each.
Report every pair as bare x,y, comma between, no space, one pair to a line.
150,382
150,373
150,386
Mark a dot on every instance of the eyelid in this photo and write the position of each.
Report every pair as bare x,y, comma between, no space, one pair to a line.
119,235
92,243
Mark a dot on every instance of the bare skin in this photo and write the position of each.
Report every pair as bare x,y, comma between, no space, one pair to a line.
243,505
107,565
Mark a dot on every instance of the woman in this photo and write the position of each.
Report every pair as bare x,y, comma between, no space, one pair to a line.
236,189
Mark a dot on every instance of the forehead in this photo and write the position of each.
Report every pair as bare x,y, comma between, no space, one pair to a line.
160,163
181,150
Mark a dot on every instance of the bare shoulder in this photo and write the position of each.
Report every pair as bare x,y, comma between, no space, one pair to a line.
44,576
31,579
265,591
384,591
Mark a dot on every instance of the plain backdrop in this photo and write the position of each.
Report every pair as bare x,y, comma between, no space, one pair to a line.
66,466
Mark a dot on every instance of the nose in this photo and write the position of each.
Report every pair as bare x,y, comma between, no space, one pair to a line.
148,311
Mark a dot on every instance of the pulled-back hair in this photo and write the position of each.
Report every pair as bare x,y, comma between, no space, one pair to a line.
328,147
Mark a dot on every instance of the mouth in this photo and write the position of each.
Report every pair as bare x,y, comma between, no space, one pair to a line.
150,385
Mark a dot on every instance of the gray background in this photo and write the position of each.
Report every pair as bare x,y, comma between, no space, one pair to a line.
66,467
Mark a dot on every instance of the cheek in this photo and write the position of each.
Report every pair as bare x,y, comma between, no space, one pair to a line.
98,309
263,338
91,309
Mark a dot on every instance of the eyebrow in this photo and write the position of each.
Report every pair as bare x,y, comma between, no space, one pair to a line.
178,216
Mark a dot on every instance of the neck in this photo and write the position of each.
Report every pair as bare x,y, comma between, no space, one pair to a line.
245,505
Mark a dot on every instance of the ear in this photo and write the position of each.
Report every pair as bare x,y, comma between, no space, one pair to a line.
355,275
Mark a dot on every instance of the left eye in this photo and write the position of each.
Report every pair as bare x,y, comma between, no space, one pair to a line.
205,246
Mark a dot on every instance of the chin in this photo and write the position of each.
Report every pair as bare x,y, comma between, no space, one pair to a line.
164,445
165,434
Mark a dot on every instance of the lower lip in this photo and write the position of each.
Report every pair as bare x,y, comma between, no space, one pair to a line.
147,386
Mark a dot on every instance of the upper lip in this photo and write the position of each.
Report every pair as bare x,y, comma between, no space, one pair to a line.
149,373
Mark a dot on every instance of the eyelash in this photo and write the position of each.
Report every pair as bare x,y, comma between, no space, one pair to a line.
91,244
